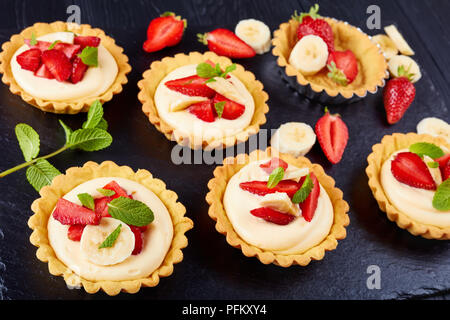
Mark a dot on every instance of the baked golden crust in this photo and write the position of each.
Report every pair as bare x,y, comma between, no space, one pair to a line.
74,105
159,69
371,62
231,166
382,152
62,184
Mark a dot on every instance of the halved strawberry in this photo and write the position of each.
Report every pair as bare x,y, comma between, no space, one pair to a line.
30,59
42,72
343,67
75,232
446,172
408,168
273,216
309,206
138,240
191,86
101,206
273,164
225,43
41,45
69,213
260,187
232,110
164,31
443,160
78,70
332,134
114,186
70,50
86,41
203,110
58,64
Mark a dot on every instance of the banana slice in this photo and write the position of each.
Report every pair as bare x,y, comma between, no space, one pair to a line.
255,33
295,174
280,202
434,127
185,102
294,138
93,236
309,55
227,89
435,172
399,41
386,44
409,65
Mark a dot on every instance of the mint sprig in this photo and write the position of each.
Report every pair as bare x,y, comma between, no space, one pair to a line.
111,239
106,192
40,172
275,177
219,106
86,200
441,199
304,190
33,40
426,149
89,56
53,44
130,211
207,71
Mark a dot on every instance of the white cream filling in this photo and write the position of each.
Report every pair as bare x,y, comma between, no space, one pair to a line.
157,238
188,125
95,82
296,237
414,202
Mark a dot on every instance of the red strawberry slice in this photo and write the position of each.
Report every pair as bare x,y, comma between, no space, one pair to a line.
203,110
193,86
273,164
78,70
343,67
164,31
70,50
58,64
119,191
101,206
446,172
443,160
273,216
225,43
309,206
41,45
232,110
75,232
43,72
260,187
86,41
408,168
69,213
332,134
30,59
138,240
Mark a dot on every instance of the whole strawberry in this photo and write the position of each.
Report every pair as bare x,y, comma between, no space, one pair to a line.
398,95
312,23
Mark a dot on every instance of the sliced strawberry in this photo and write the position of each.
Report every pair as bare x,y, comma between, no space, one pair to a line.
203,110
119,191
70,50
232,110
408,168
343,67
191,86
43,72
273,216
309,206
138,240
446,172
30,59
86,41
78,70
273,164
41,45
101,206
164,31
69,213
260,187
225,43
443,160
58,64
332,134
75,232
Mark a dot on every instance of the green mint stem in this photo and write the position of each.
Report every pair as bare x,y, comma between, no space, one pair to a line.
29,163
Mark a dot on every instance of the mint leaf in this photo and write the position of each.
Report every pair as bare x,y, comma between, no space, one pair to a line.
28,141
219,108
33,40
103,124
441,199
205,70
95,115
275,177
67,130
41,174
304,190
89,56
111,239
132,212
53,44
106,192
229,69
433,164
91,139
426,149
86,200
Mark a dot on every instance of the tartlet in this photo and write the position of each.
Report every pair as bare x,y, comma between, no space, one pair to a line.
71,106
381,153
371,63
62,184
160,69
217,212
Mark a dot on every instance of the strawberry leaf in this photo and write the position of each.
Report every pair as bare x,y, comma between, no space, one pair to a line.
111,239
441,199
28,141
41,174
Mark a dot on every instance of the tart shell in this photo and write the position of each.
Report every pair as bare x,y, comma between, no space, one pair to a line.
43,208
67,106
382,152
371,63
159,69
231,166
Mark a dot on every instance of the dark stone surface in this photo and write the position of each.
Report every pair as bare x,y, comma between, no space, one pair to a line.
410,266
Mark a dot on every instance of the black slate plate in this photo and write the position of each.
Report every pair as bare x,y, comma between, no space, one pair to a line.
410,266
